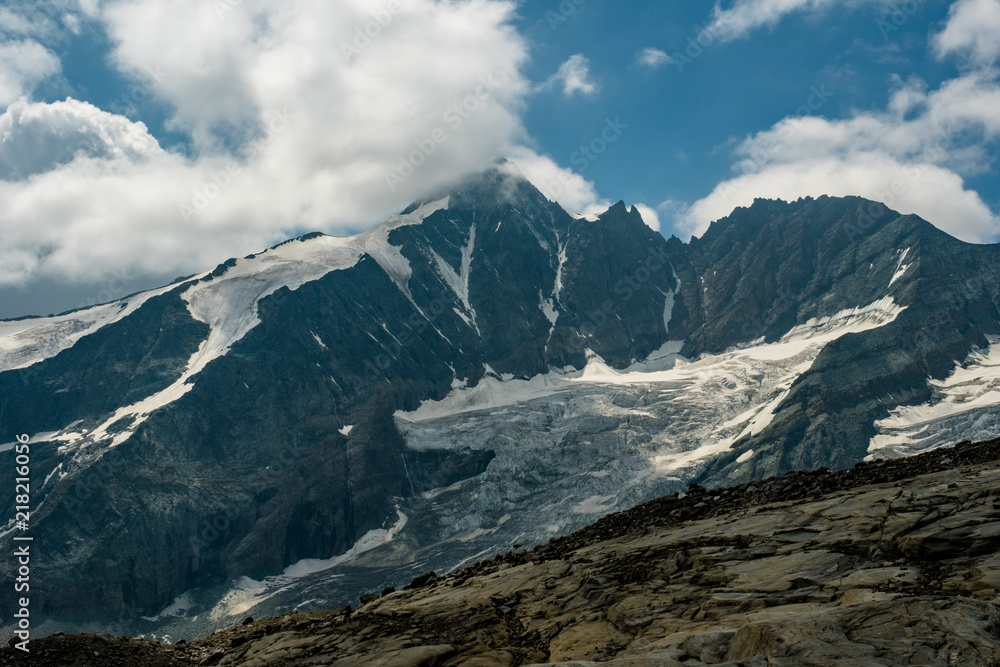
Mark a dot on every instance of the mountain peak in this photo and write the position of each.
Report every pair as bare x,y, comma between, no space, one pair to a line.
501,180
853,216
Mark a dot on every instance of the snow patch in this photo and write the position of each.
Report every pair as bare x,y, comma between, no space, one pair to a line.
178,607
465,318
594,505
557,288
244,595
346,430
794,353
900,267
28,341
247,593
370,540
548,308
963,406
765,416
227,303
850,320
318,340
375,243
503,377
668,308
458,281
668,300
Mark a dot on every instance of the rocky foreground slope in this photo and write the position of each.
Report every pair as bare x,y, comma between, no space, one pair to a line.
890,563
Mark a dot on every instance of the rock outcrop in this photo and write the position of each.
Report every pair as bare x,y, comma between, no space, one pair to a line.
889,563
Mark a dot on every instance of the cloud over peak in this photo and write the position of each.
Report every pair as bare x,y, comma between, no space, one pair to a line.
304,116
909,156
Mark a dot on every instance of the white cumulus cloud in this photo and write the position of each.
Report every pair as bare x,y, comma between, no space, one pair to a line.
744,16
972,30
910,156
571,190
574,77
649,216
24,64
36,138
653,57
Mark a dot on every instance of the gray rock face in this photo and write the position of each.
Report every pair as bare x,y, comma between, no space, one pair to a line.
950,291
482,370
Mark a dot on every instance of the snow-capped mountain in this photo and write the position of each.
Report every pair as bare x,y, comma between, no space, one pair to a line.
333,415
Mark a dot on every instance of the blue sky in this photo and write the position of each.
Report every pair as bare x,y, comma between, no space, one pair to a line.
145,139
684,117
